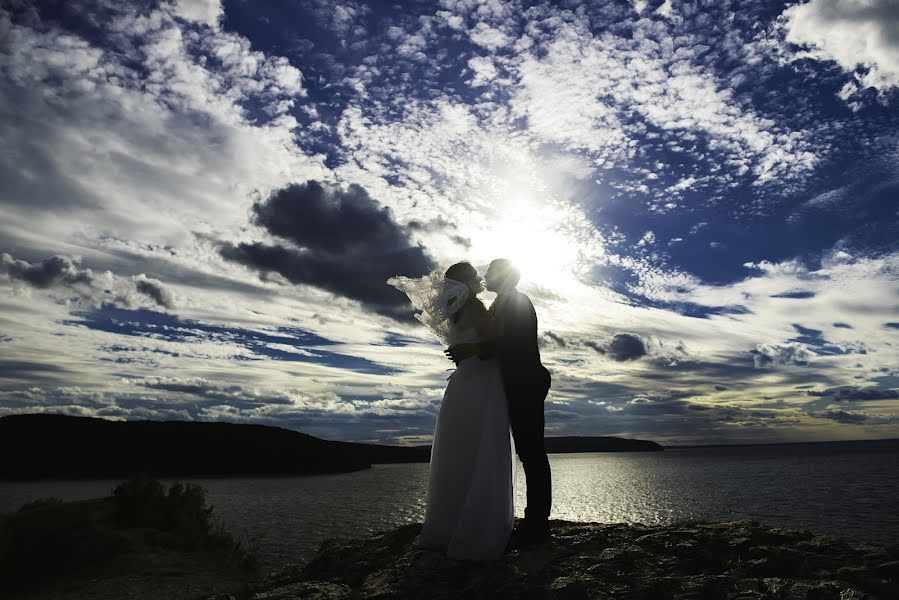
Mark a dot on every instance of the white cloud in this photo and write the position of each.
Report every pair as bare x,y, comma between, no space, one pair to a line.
579,89
484,70
488,37
852,33
209,12
145,140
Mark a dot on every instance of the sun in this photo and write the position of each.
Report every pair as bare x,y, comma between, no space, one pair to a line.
535,240
520,217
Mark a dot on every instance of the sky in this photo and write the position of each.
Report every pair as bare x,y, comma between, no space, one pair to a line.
202,201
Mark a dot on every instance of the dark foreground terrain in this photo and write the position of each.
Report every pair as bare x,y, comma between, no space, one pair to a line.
144,541
739,560
147,541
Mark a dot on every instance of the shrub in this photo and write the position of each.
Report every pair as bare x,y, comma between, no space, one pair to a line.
181,511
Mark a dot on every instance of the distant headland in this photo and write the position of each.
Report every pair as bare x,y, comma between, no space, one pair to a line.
44,446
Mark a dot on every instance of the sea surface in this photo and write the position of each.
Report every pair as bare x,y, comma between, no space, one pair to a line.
848,491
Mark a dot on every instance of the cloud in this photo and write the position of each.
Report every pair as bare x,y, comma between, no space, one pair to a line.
841,416
488,37
340,240
155,290
599,92
848,394
778,355
63,273
626,346
798,295
620,347
555,338
853,33
50,272
231,394
209,12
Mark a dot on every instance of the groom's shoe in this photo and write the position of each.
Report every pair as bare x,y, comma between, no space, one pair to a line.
529,534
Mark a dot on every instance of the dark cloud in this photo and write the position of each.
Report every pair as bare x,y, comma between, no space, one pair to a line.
555,338
561,415
15,372
340,240
50,272
595,346
841,416
849,394
807,334
620,347
843,325
66,273
626,346
154,289
794,295
440,225
730,367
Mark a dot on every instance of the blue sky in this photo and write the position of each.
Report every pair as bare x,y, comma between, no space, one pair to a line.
202,202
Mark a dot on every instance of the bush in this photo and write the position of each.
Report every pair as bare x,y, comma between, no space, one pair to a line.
181,511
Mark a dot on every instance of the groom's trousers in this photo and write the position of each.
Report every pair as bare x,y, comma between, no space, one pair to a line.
525,400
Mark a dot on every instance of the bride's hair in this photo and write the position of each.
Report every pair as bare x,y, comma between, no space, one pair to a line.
463,272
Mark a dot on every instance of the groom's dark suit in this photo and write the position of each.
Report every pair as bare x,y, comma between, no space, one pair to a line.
526,382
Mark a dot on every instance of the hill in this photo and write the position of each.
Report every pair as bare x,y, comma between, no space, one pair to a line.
564,445
42,446
56,446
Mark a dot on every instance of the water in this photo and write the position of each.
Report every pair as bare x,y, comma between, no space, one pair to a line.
848,492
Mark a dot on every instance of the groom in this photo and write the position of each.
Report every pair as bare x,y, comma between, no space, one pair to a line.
526,382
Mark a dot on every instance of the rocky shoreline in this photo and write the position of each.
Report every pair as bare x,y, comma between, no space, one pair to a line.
691,560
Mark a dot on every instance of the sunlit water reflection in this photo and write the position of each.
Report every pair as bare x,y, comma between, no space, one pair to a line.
846,493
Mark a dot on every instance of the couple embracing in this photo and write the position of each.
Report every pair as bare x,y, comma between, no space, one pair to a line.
498,387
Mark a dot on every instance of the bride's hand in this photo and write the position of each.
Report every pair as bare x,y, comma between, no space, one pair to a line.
460,352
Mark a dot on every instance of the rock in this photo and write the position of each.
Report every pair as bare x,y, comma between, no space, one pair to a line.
307,590
888,569
742,560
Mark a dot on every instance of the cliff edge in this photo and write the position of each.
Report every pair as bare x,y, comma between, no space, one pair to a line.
741,559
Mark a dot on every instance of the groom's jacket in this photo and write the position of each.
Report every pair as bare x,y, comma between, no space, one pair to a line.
515,346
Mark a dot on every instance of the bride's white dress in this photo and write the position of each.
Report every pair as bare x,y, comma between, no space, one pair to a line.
470,507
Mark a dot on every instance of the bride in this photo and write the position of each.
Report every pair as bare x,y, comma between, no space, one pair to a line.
470,506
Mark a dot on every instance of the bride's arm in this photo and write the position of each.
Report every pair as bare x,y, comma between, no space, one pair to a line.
483,323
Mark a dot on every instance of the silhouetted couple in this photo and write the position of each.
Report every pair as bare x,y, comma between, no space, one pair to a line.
499,386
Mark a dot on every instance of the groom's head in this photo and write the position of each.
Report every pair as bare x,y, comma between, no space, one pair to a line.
501,274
